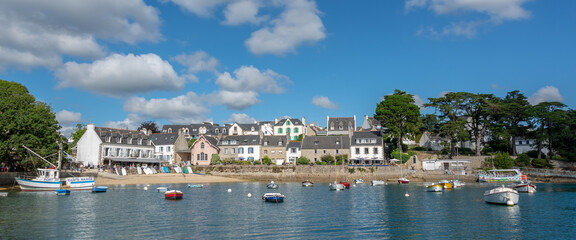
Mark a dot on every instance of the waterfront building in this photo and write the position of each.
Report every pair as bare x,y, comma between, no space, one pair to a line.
202,150
366,148
340,125
314,147
244,129
291,127
240,147
275,148
170,147
293,151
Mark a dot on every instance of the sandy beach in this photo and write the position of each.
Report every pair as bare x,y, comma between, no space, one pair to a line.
106,179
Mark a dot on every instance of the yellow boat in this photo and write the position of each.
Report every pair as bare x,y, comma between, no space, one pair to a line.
446,184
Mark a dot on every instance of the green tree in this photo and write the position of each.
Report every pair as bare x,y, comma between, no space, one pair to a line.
546,118
300,137
396,155
512,118
400,115
564,137
149,126
303,161
215,159
266,160
478,108
328,159
25,121
503,161
452,118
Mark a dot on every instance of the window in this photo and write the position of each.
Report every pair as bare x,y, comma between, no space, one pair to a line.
240,150
315,151
527,142
280,143
295,130
201,145
287,130
375,150
250,150
225,150
232,150
266,143
216,131
357,150
324,151
272,152
366,151
265,152
520,142
161,149
315,143
293,150
287,123
279,151
336,151
129,140
119,140
168,149
169,130
341,126
279,130
186,131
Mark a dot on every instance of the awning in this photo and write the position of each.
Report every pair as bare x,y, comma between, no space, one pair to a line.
144,160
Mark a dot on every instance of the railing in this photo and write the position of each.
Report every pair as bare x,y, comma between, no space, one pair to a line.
548,172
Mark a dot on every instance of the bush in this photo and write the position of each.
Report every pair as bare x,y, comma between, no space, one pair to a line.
327,159
303,161
351,170
541,163
419,148
534,154
396,154
266,160
503,161
523,160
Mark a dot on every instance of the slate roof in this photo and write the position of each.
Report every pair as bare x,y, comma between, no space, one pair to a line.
174,128
367,134
345,121
325,142
274,140
164,138
293,121
242,139
124,134
294,145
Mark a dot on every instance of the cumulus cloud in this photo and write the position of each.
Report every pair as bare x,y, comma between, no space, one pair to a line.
119,75
178,110
546,94
240,118
249,78
236,100
198,62
495,12
323,102
132,122
241,12
203,8
38,34
300,23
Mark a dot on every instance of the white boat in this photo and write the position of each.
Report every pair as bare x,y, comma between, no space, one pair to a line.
501,195
80,183
434,188
273,197
457,183
307,183
501,176
378,183
336,186
525,187
162,189
47,180
272,185
358,181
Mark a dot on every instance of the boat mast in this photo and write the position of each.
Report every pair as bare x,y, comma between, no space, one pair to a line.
43,159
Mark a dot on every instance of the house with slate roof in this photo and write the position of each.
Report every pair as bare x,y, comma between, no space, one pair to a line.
291,127
370,124
183,129
203,149
170,147
275,148
293,151
366,148
244,129
228,147
109,146
314,147
340,125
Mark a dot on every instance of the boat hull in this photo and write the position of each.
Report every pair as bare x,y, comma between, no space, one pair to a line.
403,181
377,183
336,187
80,183
35,185
99,189
62,192
501,176
307,184
501,195
273,197
525,188
272,186
435,188
173,195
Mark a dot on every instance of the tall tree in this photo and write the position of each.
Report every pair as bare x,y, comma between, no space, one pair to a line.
478,110
564,136
150,126
400,115
452,118
547,117
25,121
514,111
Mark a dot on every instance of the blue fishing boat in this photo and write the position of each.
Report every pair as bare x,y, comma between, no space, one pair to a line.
273,197
62,192
195,185
98,189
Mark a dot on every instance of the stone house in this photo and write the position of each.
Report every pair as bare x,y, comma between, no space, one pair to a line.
275,148
314,147
340,125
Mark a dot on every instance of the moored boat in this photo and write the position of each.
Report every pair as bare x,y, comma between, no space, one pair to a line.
346,184
195,185
403,180
273,197
47,180
336,186
80,183
501,195
62,192
162,189
525,187
307,183
445,184
358,181
377,183
501,176
457,183
173,195
272,185
98,189
435,188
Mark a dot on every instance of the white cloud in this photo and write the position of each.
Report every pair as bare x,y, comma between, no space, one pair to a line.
241,12
546,94
298,24
132,122
38,33
237,100
418,101
203,8
324,102
183,109
67,117
240,118
198,61
249,78
119,75
497,11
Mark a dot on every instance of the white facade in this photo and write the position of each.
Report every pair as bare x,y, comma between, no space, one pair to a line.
164,153
292,154
249,152
88,147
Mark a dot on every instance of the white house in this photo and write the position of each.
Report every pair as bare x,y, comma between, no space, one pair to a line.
249,147
107,146
290,127
366,148
293,152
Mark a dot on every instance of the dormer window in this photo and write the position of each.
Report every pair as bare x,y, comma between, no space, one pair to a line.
287,123
129,140
252,129
119,140
108,139
316,143
280,143
266,143
169,130
224,130
341,126
216,131
140,141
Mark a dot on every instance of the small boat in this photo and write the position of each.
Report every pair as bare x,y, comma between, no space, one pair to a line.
501,176
80,183
162,189
446,184
98,189
62,192
307,183
435,188
273,197
272,185
195,185
525,187
457,183
501,195
3,194
358,181
346,184
403,180
336,186
378,183
173,195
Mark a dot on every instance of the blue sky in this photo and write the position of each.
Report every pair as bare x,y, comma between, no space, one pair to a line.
119,63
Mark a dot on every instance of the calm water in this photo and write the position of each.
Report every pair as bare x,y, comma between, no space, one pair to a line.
363,212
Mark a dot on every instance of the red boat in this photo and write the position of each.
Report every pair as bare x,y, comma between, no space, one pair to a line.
403,180
346,184
173,195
